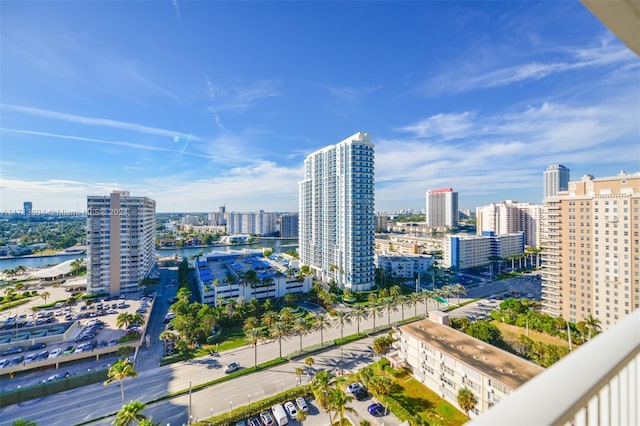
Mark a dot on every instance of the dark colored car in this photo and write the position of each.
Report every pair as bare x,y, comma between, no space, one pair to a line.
375,409
36,346
13,350
360,394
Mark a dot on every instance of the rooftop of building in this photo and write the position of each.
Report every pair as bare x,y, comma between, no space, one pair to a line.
505,367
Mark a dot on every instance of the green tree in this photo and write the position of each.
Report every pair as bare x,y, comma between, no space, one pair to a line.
322,322
486,332
130,414
253,336
45,295
466,400
301,327
380,385
23,422
279,330
337,402
309,361
323,382
299,371
119,371
382,344
593,324
359,313
269,318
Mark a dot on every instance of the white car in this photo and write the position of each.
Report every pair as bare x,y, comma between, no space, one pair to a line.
232,367
302,404
291,409
54,353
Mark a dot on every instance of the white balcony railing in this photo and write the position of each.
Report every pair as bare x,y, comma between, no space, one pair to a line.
598,384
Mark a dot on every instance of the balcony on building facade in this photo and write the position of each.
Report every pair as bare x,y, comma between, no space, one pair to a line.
598,384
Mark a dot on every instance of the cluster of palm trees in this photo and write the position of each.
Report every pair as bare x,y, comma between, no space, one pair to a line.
330,397
285,323
18,270
130,413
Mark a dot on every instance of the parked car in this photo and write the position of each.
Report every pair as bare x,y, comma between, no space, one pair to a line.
291,409
360,394
302,404
232,367
375,409
54,353
354,386
253,421
266,418
69,350
13,350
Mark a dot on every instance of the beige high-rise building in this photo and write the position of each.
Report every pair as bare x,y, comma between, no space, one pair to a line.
591,250
121,238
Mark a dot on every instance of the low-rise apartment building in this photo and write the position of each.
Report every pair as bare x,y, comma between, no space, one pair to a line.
447,360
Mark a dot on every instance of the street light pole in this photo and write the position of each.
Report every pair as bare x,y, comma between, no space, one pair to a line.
189,402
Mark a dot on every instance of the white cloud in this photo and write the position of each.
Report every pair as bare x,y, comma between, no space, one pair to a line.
241,97
96,122
445,126
467,77
352,94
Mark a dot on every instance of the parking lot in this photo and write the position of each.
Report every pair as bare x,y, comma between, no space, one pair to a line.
92,330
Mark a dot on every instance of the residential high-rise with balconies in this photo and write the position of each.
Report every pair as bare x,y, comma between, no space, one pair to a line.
591,250
507,217
336,213
442,208
555,178
121,237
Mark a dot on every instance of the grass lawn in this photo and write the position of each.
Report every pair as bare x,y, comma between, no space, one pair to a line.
511,333
232,337
422,401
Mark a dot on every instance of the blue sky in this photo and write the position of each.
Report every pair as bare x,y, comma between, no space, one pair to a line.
199,104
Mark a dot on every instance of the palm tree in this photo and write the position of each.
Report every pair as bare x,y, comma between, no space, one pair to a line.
427,295
376,310
308,361
466,400
404,302
120,370
301,326
459,289
359,313
130,414
322,384
390,305
268,318
395,291
279,329
166,336
286,316
45,295
415,298
299,371
337,401
342,318
251,322
593,324
23,422
321,322
124,320
253,336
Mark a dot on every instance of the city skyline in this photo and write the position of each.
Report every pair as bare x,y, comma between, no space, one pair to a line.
183,104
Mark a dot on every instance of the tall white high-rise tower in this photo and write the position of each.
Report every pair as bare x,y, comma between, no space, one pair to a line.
336,213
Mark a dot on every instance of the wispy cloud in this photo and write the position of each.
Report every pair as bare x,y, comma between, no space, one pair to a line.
445,126
467,77
241,97
352,94
97,122
174,3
